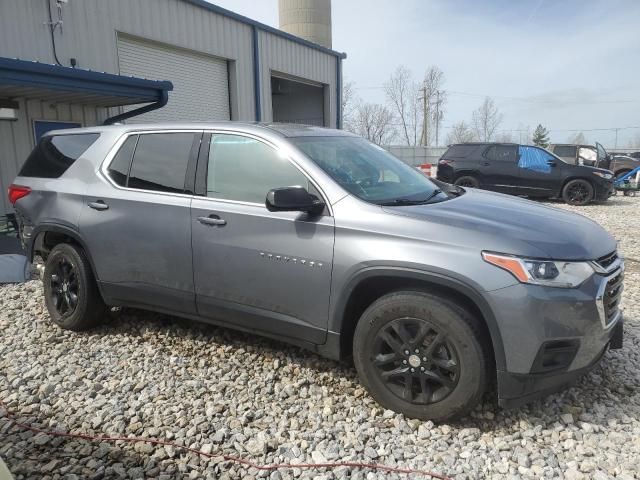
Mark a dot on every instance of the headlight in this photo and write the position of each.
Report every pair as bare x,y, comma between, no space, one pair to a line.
607,176
542,272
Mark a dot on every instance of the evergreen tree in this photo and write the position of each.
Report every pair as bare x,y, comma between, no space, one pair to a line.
541,136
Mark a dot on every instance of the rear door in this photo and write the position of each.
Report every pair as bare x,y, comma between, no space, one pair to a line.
262,271
499,167
541,173
136,221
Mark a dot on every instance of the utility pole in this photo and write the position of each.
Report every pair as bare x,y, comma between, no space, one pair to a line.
437,115
425,115
617,140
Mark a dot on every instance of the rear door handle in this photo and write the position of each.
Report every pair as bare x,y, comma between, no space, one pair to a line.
214,220
98,205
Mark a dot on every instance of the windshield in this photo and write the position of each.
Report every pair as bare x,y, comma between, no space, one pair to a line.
368,171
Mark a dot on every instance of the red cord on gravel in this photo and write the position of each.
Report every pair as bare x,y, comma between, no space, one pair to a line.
227,458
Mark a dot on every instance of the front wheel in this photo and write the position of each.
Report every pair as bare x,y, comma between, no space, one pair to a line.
421,355
577,192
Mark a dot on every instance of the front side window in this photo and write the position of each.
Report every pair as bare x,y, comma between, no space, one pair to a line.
367,171
160,162
536,159
55,154
244,169
501,153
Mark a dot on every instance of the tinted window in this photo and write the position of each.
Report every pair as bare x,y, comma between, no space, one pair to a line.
160,162
54,155
245,169
459,151
501,153
565,151
119,167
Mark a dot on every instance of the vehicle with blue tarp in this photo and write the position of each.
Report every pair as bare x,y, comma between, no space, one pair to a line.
524,170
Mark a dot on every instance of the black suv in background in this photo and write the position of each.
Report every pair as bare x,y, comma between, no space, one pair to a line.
523,170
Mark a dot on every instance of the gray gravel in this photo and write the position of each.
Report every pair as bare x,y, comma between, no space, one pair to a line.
145,374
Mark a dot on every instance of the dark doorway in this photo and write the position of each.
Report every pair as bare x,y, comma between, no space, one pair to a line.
297,102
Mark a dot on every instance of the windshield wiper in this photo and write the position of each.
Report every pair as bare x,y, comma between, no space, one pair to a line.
400,202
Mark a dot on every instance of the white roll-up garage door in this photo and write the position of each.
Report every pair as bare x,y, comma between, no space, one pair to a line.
200,82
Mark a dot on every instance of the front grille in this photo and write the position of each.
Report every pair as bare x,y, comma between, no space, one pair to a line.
606,261
611,297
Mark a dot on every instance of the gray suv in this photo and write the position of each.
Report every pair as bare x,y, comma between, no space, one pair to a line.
322,239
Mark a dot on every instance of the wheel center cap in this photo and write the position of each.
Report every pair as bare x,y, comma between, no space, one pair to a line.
414,361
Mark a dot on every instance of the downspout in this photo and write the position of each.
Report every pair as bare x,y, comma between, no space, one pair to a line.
339,93
164,98
256,75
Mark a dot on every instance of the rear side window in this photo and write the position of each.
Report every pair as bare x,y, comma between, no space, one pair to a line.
160,162
55,154
501,153
459,151
119,167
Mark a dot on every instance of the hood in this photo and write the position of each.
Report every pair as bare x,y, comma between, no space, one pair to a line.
512,225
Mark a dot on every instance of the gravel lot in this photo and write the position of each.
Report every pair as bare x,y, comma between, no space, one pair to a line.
145,374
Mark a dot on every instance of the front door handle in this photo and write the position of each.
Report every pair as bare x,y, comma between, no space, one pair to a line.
98,205
212,220
486,164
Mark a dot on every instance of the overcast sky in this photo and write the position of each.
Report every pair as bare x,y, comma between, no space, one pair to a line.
568,64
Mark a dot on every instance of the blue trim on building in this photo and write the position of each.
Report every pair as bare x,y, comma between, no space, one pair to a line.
257,84
31,74
261,26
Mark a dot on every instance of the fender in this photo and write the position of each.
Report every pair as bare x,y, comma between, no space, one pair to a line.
338,310
37,237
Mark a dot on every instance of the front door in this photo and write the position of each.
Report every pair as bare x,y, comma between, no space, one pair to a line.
541,172
262,271
136,222
499,167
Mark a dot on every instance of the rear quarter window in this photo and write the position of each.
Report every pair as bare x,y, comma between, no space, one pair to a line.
55,154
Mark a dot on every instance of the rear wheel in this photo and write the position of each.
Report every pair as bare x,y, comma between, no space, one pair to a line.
577,192
71,293
467,181
421,355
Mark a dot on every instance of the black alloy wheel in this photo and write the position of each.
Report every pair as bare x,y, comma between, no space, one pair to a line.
415,361
577,192
64,287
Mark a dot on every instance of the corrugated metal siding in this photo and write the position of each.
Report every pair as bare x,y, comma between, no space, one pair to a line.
17,137
280,55
200,82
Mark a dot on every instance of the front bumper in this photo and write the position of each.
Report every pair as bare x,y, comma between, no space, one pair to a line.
603,189
551,336
515,389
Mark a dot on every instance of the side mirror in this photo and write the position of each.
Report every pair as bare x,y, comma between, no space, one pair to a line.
551,163
293,199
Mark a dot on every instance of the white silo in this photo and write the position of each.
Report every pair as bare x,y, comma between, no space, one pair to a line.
308,19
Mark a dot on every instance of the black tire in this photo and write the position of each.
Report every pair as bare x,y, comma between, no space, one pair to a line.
67,275
467,181
449,376
577,192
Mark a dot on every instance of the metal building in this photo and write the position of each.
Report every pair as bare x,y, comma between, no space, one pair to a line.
99,60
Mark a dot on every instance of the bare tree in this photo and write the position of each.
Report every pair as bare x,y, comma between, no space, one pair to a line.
403,94
577,138
374,122
486,120
348,104
504,137
460,133
434,98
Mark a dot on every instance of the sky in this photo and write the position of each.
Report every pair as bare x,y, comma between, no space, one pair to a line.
571,65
